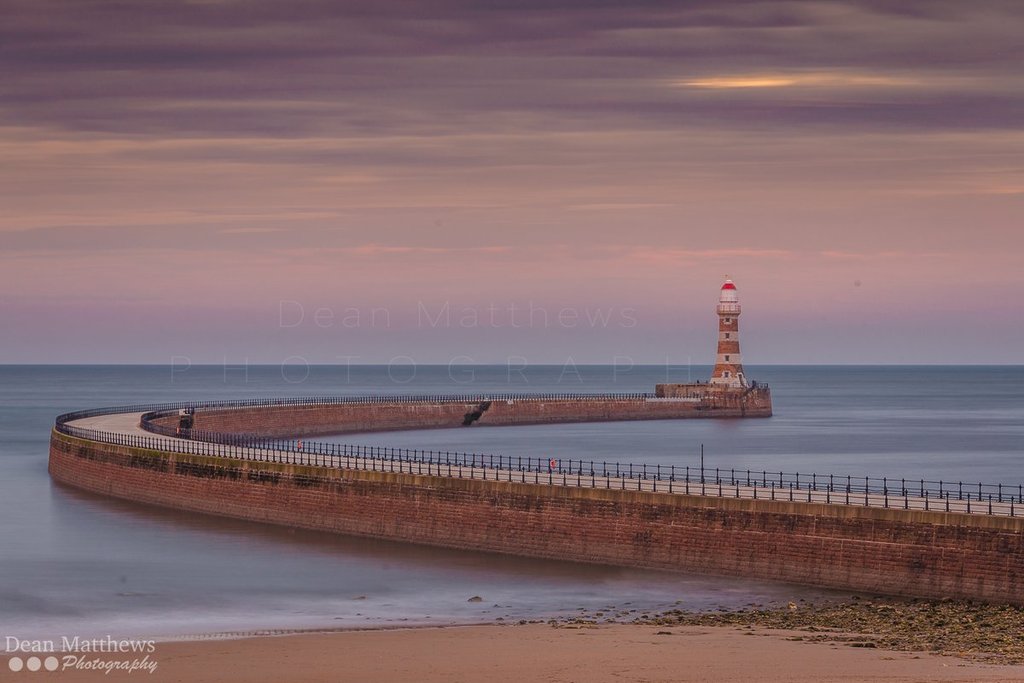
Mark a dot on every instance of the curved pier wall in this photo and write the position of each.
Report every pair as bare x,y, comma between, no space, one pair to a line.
309,420
890,551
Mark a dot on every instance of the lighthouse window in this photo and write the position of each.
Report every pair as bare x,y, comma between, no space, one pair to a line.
726,374
728,320
726,335
727,358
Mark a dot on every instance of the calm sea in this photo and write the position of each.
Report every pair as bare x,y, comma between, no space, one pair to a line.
78,564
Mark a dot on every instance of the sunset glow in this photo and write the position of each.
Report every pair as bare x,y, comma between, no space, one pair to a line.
804,79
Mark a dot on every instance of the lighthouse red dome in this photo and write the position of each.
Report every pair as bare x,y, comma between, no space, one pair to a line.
728,285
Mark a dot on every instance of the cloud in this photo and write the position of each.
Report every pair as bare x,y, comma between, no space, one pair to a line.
592,146
646,254
320,68
373,250
807,80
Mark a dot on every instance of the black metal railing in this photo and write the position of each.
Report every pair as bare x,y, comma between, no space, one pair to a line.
925,494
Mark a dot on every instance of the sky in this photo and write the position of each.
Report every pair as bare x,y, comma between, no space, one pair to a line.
460,180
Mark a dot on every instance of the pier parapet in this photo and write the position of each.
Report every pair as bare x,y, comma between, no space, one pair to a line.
812,530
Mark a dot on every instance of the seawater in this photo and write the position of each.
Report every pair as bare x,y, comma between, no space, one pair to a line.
78,564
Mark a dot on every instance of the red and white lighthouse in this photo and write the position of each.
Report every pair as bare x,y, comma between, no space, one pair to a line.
728,365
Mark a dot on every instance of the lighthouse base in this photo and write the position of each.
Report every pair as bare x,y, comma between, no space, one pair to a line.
753,401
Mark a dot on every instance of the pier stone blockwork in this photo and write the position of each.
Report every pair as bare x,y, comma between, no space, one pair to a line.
892,551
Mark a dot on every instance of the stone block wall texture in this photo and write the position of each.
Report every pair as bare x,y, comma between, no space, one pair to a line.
311,420
914,553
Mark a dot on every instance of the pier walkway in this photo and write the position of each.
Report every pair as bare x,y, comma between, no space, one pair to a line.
974,499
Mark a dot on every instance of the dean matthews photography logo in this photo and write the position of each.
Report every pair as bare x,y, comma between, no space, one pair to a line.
75,653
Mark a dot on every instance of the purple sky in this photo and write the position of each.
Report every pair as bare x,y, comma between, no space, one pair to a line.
194,179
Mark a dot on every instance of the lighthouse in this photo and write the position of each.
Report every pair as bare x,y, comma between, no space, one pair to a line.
728,364
728,393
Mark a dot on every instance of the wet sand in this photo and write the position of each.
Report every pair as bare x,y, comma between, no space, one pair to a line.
540,652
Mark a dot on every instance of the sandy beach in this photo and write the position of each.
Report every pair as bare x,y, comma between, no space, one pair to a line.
540,652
